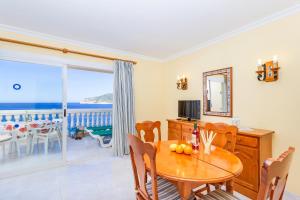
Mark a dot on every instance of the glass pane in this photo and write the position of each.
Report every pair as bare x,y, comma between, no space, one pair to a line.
30,116
89,114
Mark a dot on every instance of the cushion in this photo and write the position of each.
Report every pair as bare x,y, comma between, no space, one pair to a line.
166,190
219,194
101,131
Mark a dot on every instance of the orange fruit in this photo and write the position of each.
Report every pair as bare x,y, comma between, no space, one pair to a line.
183,145
188,150
179,149
173,147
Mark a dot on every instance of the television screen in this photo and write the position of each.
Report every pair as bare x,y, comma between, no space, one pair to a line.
189,109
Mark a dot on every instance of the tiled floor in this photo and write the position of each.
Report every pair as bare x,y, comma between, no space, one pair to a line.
103,178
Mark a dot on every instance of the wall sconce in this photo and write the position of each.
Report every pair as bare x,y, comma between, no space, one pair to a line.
268,71
182,83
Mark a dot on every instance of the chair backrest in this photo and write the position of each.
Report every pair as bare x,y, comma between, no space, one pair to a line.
139,152
45,129
274,174
223,131
148,127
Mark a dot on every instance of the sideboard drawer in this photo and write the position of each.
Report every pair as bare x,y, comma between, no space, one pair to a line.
174,126
187,128
247,141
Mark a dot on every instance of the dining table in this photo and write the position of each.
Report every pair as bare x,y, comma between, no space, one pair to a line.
196,169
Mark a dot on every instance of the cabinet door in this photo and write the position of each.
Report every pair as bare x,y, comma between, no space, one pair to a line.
250,174
174,134
187,131
174,131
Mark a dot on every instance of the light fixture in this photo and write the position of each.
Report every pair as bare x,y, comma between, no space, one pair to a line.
268,71
182,83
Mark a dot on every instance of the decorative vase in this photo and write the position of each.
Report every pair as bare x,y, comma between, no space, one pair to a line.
207,148
207,139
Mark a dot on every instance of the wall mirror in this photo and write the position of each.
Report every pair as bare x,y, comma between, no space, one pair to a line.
217,92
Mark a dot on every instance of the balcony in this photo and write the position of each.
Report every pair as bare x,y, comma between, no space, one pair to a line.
25,145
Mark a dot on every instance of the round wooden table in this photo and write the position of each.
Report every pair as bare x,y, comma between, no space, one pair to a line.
190,171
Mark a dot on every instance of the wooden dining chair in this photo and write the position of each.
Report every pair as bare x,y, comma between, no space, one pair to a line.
226,139
226,135
148,128
274,174
157,187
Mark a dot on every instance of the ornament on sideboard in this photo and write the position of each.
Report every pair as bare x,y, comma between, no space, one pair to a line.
182,83
268,71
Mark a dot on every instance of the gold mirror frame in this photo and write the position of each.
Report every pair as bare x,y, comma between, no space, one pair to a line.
228,73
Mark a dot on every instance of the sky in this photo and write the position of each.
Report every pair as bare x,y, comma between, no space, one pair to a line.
42,83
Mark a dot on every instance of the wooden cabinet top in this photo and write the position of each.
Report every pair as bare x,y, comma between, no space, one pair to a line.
249,132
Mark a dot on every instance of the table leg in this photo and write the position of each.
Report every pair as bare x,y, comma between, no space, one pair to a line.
185,190
229,186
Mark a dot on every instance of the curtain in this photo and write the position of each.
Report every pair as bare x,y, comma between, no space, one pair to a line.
123,107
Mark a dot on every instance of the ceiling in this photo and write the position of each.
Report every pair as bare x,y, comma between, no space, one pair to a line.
153,28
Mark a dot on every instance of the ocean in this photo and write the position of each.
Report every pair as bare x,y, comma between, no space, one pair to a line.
45,106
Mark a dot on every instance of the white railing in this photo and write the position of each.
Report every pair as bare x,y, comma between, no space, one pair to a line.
76,117
89,117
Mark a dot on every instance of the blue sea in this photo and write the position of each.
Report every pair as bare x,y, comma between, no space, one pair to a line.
45,106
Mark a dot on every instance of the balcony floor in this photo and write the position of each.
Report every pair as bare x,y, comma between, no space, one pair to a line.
77,150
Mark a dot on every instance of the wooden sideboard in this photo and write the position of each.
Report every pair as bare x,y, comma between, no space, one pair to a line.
252,147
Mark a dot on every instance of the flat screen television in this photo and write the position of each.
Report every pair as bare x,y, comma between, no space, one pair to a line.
189,109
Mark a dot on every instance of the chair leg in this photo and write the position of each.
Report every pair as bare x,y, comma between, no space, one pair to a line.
217,186
3,150
32,144
28,145
59,144
18,148
208,188
46,145
38,144
10,147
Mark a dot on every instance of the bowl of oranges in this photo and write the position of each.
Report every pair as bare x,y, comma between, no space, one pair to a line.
181,148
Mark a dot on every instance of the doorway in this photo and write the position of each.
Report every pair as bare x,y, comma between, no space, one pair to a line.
89,96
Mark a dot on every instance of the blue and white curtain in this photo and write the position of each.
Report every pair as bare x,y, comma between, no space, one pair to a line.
123,107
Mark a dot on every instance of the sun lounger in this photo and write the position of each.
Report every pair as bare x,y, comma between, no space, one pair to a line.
100,133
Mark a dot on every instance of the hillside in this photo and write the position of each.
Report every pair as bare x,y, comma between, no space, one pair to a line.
103,99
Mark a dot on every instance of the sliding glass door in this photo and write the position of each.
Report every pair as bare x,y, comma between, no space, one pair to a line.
51,114
31,116
89,95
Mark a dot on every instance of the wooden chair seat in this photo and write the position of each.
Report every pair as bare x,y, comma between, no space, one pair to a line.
165,189
219,194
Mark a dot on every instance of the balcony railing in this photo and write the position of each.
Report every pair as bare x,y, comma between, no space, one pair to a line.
76,117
